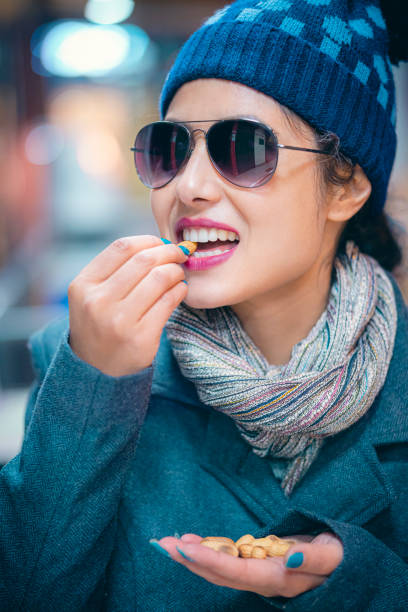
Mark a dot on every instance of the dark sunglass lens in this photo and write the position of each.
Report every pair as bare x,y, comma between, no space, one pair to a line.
244,152
160,149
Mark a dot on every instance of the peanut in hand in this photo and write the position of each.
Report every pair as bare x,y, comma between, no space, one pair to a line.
249,547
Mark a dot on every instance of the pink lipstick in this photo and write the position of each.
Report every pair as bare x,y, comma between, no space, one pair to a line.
203,263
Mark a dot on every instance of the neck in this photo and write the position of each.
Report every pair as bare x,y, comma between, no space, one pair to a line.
278,320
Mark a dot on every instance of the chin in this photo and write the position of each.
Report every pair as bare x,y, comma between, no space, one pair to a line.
198,299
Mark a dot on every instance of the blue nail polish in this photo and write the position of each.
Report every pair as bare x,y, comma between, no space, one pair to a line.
183,554
165,240
295,560
159,548
184,249
184,281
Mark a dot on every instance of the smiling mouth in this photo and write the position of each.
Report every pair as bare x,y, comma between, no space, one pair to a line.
202,260
205,249
211,241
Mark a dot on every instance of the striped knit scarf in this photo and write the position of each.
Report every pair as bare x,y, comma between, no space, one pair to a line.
330,381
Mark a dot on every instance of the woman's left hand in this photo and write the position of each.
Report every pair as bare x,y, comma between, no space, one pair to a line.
268,577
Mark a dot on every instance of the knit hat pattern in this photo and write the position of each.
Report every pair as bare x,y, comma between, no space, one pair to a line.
327,60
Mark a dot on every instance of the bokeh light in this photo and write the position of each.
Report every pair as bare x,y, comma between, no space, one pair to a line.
43,145
108,11
76,48
98,152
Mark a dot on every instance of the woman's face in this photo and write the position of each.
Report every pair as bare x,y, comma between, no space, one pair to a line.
281,225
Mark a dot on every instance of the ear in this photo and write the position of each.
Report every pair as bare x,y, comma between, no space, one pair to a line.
347,199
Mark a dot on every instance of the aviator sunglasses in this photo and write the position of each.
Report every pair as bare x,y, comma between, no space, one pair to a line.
243,151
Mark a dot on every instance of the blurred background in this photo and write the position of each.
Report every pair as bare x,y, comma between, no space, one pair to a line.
77,80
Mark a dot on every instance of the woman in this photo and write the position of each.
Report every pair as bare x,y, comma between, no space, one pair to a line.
265,395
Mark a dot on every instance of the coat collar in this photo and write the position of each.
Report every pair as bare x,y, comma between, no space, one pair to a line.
347,482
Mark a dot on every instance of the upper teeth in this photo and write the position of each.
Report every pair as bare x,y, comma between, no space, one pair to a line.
208,235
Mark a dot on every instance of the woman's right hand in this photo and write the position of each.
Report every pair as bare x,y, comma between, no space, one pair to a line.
120,302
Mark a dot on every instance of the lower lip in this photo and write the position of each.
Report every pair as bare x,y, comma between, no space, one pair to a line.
202,263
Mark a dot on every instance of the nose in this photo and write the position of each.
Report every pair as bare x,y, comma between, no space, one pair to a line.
198,130
198,180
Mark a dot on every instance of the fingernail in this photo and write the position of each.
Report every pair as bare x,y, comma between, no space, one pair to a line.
159,548
183,554
165,240
295,560
184,281
184,249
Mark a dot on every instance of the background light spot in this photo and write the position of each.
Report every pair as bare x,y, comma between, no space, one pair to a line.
108,11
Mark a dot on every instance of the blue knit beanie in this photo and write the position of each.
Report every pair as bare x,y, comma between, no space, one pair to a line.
327,60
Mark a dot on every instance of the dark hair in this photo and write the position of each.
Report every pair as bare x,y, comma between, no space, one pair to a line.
372,233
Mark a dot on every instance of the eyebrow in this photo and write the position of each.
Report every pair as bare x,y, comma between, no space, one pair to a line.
223,119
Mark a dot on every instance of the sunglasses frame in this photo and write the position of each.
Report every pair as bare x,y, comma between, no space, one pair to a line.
216,122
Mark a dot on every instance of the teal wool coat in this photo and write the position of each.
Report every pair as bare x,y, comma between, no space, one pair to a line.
108,463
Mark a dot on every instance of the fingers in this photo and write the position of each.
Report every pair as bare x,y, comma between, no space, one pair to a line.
321,556
119,251
299,538
191,537
222,568
151,269
157,314
205,571
155,283
109,330
267,577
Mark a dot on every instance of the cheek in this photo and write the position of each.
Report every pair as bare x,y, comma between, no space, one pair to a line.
291,223
286,239
159,204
